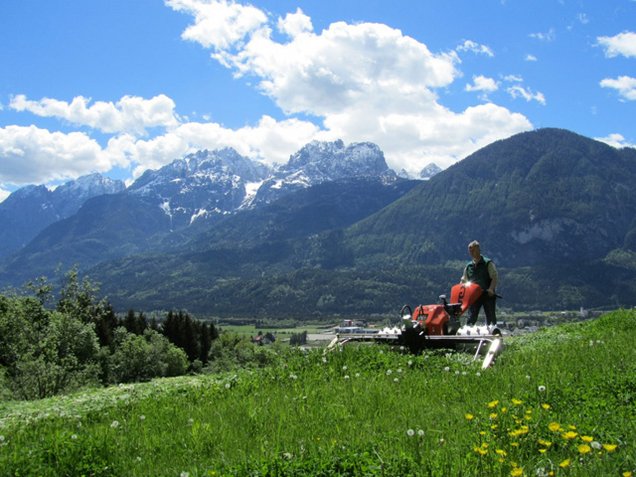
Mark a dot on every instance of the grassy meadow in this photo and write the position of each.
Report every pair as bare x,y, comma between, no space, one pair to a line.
560,402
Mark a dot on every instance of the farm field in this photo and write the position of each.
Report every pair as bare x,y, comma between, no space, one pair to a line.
561,401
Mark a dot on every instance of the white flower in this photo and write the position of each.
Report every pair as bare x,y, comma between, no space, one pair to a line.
1,438
596,445
399,370
73,436
293,376
389,372
410,432
346,376
114,424
344,368
396,380
228,385
477,373
420,432
541,388
447,369
184,474
410,363
357,375
142,418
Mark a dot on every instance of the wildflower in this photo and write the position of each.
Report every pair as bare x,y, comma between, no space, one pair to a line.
493,415
344,368
142,418
528,377
114,424
587,439
477,374
357,375
346,376
565,463
493,404
420,432
544,443
389,372
410,432
184,474
228,385
584,449
1,439
545,406
501,452
469,416
627,474
73,436
541,388
555,427
596,445
410,363
516,472
447,369
293,377
516,401
610,447
569,435
480,450
399,370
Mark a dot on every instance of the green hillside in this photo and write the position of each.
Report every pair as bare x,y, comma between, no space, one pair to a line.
558,402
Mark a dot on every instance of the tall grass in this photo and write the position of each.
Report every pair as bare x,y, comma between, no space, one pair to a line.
559,402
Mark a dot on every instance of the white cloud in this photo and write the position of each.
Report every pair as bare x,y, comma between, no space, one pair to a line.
513,78
131,114
547,36
219,24
616,140
4,194
625,85
622,44
295,24
367,82
473,47
530,57
518,91
483,84
34,155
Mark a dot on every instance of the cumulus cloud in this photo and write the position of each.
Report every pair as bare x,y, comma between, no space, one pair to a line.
625,85
473,47
518,91
483,84
530,57
131,114
616,140
623,44
366,81
33,155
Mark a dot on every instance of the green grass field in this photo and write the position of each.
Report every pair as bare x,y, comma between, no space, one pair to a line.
561,401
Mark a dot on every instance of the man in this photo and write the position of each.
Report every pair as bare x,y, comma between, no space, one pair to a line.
481,270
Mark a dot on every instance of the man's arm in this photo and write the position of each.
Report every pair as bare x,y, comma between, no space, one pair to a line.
494,278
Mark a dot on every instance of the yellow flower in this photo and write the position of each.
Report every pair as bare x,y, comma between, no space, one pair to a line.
565,463
516,401
587,439
554,427
627,474
493,404
610,447
501,452
543,451
514,444
480,450
584,449
571,427
545,443
516,472
469,416
545,406
493,415
569,435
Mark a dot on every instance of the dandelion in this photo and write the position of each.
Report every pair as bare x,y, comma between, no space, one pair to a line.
293,377
569,435
389,372
596,445
114,424
410,363
587,439
74,436
501,452
357,375
184,474
469,416
344,368
410,432
516,472
610,447
228,385
493,415
142,418
544,443
545,406
493,404
1,439
555,427
420,432
627,474
346,376
480,450
565,464
584,449
477,374
396,380
516,402
447,369
541,388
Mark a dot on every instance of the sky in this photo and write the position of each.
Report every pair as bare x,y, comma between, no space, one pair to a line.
121,86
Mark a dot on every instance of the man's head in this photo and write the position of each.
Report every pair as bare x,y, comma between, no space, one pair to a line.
474,250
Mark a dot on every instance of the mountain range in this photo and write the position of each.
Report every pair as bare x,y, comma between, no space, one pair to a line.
335,231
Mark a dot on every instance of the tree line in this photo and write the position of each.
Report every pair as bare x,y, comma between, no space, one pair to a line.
51,345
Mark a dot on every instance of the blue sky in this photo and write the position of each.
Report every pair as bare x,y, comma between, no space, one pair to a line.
120,86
